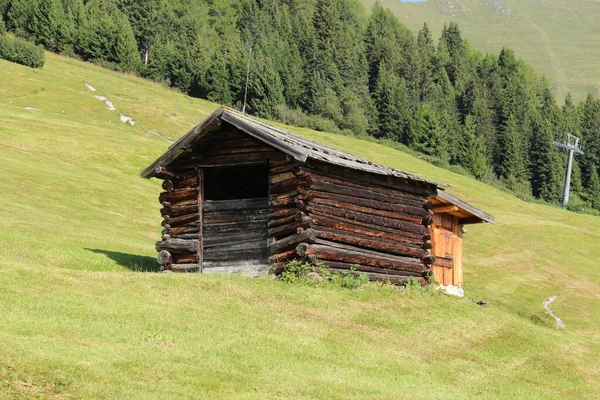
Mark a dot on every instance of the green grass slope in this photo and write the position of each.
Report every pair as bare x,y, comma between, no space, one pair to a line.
559,38
83,316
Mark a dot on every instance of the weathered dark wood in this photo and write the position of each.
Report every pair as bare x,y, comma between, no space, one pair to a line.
359,201
178,195
288,229
390,183
180,231
367,210
163,173
282,213
362,230
324,186
249,252
164,257
366,268
427,245
184,267
185,183
283,257
356,257
428,205
236,158
185,236
284,202
428,259
234,150
444,262
186,259
273,223
284,166
428,220
180,210
236,216
304,235
168,185
284,176
178,246
286,186
181,220
232,238
232,227
363,217
237,204
381,245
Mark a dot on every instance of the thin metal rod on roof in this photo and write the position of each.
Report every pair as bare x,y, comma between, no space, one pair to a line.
247,77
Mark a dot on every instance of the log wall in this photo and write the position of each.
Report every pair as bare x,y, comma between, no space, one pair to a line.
348,224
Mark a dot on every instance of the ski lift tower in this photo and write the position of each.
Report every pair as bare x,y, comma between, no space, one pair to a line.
572,145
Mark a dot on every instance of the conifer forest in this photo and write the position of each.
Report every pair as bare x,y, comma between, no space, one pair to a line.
333,65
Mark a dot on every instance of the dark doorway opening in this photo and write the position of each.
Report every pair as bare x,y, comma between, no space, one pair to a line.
237,182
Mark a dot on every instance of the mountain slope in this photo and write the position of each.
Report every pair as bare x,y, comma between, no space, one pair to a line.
559,38
77,322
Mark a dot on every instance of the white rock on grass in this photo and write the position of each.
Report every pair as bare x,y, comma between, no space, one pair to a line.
90,87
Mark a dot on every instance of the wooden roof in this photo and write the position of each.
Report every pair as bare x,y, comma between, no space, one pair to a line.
444,202
302,150
295,146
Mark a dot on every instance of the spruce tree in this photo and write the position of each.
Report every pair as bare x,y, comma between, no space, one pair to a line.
126,48
471,150
18,17
593,189
426,133
590,132
546,171
511,164
2,26
393,107
265,92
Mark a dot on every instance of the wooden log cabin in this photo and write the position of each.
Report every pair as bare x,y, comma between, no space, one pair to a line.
242,195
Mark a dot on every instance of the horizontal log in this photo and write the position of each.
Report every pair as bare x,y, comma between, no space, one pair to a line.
444,262
363,217
367,210
164,257
359,201
286,186
185,236
164,173
282,213
178,246
186,259
356,257
273,223
284,202
241,254
284,176
181,220
283,257
380,245
445,209
289,242
181,231
235,216
410,187
233,227
323,186
284,166
428,205
231,143
364,230
190,182
184,267
399,280
227,239
209,206
280,196
366,268
178,195
427,245
288,229
428,259
179,210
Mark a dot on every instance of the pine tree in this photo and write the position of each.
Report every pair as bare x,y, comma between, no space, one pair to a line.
393,106
126,50
46,18
511,166
471,150
425,64
18,17
144,16
593,189
265,92
2,26
546,171
590,132
426,133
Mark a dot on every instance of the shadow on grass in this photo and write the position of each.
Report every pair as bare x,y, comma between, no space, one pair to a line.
132,262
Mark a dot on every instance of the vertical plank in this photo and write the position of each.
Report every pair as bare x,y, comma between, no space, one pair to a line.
458,256
200,172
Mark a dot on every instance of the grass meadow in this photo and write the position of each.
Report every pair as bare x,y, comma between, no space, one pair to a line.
83,313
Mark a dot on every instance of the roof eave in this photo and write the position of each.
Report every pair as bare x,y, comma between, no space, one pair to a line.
478,215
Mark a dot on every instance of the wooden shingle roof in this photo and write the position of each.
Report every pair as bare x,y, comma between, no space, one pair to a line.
295,146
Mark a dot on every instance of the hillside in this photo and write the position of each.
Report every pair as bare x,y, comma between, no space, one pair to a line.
83,315
559,38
